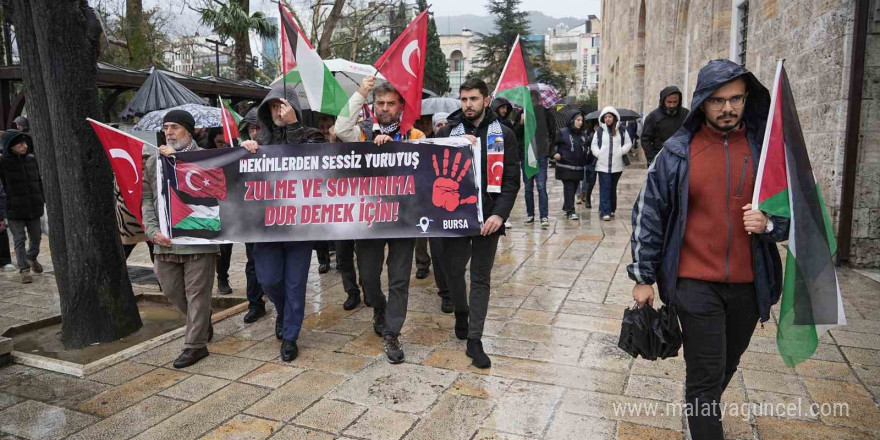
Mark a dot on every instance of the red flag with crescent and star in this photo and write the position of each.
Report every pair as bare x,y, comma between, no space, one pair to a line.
201,182
403,65
125,153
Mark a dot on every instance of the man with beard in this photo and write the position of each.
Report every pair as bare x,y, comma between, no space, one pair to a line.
478,125
283,267
185,272
663,122
696,235
388,315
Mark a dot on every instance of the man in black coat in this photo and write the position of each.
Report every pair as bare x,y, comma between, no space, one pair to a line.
20,177
477,125
663,122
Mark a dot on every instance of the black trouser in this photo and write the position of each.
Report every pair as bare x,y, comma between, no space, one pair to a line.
322,248
345,266
254,290
5,255
569,188
223,261
436,247
480,250
717,322
423,259
371,257
127,248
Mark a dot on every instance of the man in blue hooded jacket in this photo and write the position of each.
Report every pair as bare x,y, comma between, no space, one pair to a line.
696,235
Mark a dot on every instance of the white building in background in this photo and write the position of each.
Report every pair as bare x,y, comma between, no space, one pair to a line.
460,53
195,56
578,48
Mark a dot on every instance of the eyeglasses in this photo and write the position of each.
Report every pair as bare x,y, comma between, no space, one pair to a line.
716,104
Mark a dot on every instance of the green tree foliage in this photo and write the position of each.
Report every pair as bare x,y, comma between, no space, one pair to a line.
493,49
436,66
232,19
135,37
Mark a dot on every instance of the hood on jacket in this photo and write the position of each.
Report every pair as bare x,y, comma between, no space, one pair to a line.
264,111
249,118
607,110
568,118
671,90
501,102
711,77
23,121
10,137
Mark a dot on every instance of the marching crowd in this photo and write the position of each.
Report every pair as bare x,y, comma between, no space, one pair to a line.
722,284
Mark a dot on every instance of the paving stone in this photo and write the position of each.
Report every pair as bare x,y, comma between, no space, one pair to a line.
132,421
425,336
862,356
655,388
776,382
297,433
121,373
525,409
162,354
263,351
195,388
381,424
567,426
39,421
825,370
770,428
855,339
367,344
296,395
484,387
603,354
625,408
203,416
631,431
455,417
350,327
331,362
403,387
322,340
588,323
7,400
52,388
556,354
330,415
242,427
573,307
508,347
222,366
488,434
271,375
781,405
860,411
118,398
230,345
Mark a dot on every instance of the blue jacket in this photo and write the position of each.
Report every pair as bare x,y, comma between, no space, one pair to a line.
660,212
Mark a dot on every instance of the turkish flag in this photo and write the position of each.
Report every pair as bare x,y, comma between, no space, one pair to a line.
403,65
200,182
125,153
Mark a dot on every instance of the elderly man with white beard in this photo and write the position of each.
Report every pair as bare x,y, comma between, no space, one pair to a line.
185,272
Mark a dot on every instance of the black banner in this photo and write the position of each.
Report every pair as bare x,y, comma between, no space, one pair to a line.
334,191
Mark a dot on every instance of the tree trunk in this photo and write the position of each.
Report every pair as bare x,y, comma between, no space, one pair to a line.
135,33
242,49
58,42
329,27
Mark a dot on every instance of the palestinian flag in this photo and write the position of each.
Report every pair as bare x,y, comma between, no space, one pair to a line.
786,187
301,63
190,196
230,120
194,215
513,85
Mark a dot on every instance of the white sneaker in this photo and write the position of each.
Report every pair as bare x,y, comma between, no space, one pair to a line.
529,220
545,223
508,224
8,268
573,216
607,218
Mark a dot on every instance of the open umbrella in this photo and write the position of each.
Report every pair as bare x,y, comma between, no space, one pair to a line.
625,115
159,91
204,115
431,106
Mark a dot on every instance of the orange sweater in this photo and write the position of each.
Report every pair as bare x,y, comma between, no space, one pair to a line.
716,246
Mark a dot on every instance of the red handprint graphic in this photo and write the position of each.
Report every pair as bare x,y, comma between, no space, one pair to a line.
446,186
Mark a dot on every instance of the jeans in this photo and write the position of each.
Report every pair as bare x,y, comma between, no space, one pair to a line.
283,270
436,247
371,258
569,188
608,192
717,322
588,183
541,178
223,261
254,290
480,250
345,266
21,231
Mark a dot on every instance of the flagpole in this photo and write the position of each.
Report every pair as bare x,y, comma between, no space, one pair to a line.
767,130
506,63
121,132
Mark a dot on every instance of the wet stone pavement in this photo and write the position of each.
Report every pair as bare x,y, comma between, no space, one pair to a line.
557,299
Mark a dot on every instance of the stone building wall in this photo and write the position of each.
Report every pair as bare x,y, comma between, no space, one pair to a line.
815,39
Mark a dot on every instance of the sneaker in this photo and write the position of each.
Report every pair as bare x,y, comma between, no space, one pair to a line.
612,215
529,220
223,286
289,350
422,274
545,223
8,268
190,356
606,218
476,353
324,268
253,314
379,321
446,305
573,216
461,325
508,224
26,276
354,298
36,266
393,349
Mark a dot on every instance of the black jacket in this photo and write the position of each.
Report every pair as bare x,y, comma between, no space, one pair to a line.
295,133
660,125
660,213
2,203
574,148
499,204
20,177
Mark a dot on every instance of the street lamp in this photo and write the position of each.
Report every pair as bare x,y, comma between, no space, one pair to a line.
217,45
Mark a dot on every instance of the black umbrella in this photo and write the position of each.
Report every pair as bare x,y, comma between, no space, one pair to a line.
625,115
650,333
159,92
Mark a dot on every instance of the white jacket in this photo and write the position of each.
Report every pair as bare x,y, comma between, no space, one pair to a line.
612,151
